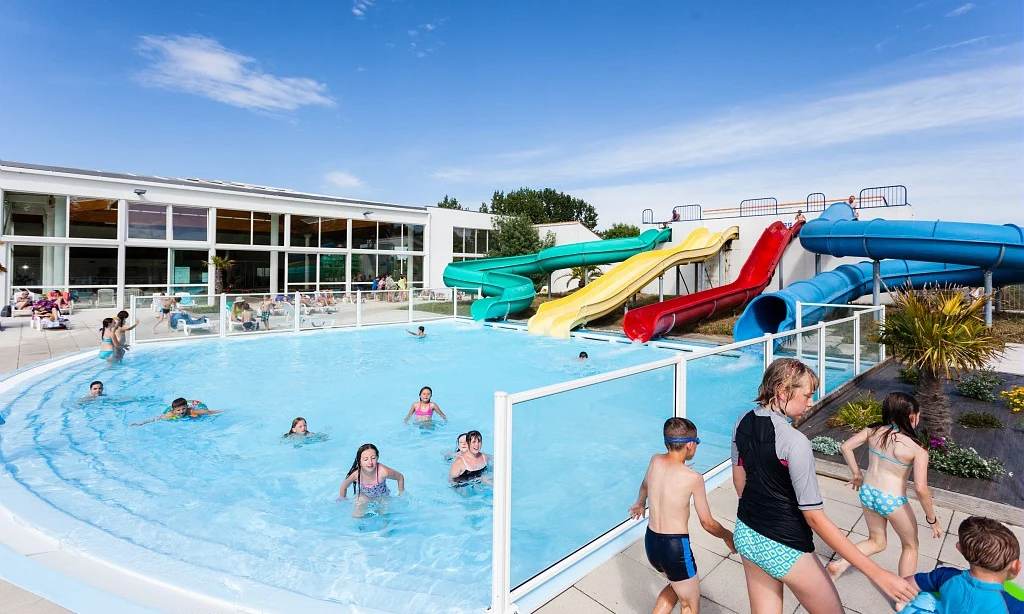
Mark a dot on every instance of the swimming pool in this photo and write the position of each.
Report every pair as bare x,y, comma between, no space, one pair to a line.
227,498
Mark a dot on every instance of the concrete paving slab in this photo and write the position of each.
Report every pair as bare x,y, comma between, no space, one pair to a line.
859,595
623,586
844,515
13,598
572,601
949,555
926,544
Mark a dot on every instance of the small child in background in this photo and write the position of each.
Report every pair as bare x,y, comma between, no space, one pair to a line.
670,484
266,310
424,409
461,446
419,332
993,553
179,409
299,429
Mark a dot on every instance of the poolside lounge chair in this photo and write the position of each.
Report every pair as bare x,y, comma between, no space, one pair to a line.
182,324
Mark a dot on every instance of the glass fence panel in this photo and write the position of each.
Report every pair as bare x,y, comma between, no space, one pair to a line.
163,316
432,304
839,352
807,351
870,349
326,310
258,312
719,389
464,300
385,307
603,436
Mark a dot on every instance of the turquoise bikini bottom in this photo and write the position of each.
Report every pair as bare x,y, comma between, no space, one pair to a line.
880,502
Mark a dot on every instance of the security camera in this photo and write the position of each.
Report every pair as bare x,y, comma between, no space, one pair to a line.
140,191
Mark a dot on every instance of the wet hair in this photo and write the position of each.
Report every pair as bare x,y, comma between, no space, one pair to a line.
105,325
988,544
788,373
421,329
470,436
678,427
121,317
179,402
291,431
427,388
584,355
461,435
94,383
897,408
355,464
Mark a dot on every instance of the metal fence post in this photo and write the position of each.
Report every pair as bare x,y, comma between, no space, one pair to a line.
679,411
856,346
988,298
223,303
769,350
821,361
410,305
135,318
502,504
297,311
799,336
455,302
880,317
359,308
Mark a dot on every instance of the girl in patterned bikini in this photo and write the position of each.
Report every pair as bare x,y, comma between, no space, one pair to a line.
368,479
893,452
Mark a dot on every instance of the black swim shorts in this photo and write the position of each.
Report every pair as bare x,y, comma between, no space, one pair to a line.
671,555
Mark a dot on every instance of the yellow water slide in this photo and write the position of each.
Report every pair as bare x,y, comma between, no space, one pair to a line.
614,288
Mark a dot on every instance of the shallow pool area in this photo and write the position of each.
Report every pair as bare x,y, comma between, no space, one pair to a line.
227,497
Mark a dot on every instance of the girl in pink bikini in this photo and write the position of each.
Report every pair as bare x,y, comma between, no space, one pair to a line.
424,409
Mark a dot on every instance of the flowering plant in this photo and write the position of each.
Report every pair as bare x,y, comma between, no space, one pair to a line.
950,458
1014,397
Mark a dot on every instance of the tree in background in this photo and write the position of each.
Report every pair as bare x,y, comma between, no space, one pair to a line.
543,206
450,203
219,265
582,275
620,231
515,235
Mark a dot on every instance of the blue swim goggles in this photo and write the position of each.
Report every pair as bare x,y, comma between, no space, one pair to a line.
682,439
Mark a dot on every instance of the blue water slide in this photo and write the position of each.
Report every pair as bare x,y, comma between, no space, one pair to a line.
939,252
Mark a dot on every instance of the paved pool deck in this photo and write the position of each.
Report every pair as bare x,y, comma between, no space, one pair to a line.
626,584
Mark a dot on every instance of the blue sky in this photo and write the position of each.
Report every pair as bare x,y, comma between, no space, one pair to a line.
628,105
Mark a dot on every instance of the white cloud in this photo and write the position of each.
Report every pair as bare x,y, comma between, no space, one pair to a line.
414,33
359,7
429,26
970,41
960,10
202,66
342,179
453,174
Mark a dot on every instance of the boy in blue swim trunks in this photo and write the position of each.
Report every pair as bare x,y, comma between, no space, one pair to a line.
669,485
180,408
993,553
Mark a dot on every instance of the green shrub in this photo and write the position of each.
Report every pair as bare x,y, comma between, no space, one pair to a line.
980,420
825,445
908,376
949,458
980,385
858,414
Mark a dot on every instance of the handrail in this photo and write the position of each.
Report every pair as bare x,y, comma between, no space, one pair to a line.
813,203
647,216
760,206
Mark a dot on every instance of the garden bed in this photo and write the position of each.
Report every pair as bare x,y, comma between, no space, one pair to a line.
1005,444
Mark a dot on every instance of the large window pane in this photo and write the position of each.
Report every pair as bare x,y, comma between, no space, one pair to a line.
35,215
92,266
93,218
470,241
267,229
234,227
417,270
389,236
37,267
332,269
364,269
458,240
145,266
483,244
333,232
414,232
386,266
147,221
187,267
305,231
364,234
251,272
302,269
189,223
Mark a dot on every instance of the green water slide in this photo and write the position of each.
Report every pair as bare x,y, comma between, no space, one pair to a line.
503,280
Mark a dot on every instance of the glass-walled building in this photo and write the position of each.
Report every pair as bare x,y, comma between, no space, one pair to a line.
108,236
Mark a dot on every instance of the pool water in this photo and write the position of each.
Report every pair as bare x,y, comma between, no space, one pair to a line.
229,496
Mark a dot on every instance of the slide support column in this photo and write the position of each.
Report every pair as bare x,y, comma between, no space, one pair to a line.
876,283
661,288
988,298
782,281
721,267
551,276
817,264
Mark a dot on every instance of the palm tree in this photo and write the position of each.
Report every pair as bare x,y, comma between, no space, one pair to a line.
583,275
220,265
939,332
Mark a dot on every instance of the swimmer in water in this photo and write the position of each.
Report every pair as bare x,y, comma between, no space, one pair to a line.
419,332
95,389
180,408
461,447
424,409
473,463
368,479
299,429
583,356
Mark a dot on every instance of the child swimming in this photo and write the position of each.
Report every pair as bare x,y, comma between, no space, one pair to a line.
460,448
368,479
780,507
670,485
180,408
424,409
471,464
419,332
299,429
893,451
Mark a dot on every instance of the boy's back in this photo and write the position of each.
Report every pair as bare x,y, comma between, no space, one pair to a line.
961,593
670,485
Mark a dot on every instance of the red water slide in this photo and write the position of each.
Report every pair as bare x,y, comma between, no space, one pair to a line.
643,323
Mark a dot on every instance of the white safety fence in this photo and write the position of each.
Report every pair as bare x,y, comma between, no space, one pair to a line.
843,346
160,317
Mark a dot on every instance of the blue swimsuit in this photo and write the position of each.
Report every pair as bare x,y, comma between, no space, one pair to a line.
879,501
